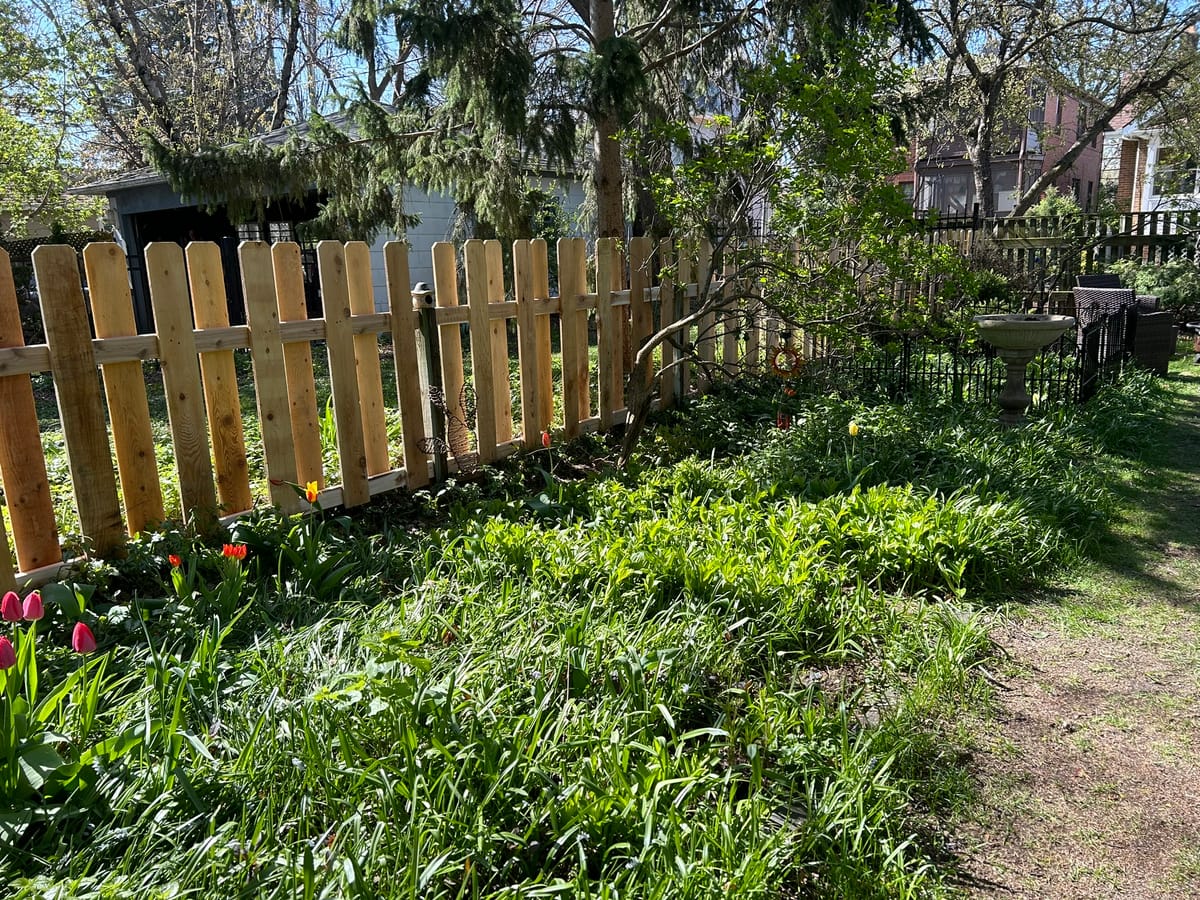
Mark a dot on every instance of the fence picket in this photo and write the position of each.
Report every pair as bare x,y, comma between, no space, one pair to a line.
482,369
730,326
298,365
22,460
572,285
706,329
640,310
667,313
609,333
366,354
343,377
408,378
270,373
124,387
219,377
80,405
539,256
527,346
683,309
445,285
495,275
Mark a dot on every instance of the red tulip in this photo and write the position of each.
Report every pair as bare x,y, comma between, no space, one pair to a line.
8,656
783,421
82,639
546,439
175,560
33,607
234,551
10,607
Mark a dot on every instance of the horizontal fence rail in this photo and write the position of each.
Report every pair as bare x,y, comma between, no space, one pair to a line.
451,347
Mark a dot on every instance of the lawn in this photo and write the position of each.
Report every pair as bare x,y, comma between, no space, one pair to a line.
734,670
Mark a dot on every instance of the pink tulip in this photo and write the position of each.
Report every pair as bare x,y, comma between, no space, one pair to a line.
33,607
82,639
10,607
8,657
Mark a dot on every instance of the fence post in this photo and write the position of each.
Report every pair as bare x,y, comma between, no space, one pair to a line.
219,376
80,405
409,373
431,366
22,461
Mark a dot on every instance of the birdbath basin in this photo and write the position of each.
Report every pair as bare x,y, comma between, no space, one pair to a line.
1017,339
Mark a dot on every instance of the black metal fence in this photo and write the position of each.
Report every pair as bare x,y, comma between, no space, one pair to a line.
1071,369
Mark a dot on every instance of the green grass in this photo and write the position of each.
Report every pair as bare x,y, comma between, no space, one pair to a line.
734,671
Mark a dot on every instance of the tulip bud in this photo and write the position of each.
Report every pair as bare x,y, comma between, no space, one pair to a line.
8,656
33,609
82,639
10,607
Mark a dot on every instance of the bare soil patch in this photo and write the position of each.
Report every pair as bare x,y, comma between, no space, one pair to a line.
1089,771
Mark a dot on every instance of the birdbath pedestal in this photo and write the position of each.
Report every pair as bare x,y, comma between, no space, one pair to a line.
1017,339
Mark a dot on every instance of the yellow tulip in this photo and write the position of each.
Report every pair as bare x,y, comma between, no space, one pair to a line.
854,429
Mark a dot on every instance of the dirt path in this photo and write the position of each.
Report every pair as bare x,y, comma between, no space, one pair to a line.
1090,777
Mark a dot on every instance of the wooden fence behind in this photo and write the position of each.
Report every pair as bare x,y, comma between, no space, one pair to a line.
616,294
1053,246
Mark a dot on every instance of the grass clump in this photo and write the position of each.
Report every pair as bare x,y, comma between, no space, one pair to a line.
728,673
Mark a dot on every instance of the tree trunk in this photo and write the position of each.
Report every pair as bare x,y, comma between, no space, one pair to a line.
981,165
606,176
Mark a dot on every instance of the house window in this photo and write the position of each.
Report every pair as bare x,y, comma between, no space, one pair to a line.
1082,119
1076,190
249,232
1174,173
280,231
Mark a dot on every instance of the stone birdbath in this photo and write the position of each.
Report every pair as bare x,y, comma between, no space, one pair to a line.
1017,339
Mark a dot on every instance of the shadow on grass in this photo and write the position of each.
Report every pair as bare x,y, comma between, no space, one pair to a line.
1150,551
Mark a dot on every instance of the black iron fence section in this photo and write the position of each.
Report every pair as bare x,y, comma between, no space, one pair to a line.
1070,370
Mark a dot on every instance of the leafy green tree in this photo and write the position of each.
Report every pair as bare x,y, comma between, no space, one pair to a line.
995,62
36,160
815,147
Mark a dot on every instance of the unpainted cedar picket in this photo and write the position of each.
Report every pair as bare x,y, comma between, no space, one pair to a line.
753,330
219,377
270,373
445,285
167,275
572,285
608,333
527,344
80,405
482,370
124,387
640,309
22,460
408,379
298,365
683,307
731,325
539,257
343,376
495,287
706,329
366,355
667,313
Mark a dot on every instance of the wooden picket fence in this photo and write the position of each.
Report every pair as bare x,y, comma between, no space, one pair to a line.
613,293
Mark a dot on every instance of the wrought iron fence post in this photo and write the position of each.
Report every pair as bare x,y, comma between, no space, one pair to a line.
431,377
